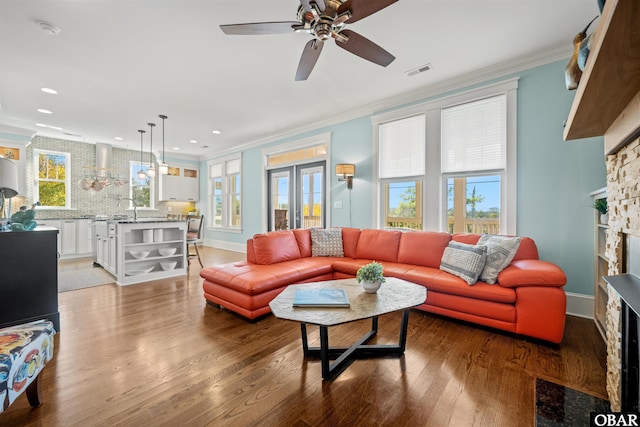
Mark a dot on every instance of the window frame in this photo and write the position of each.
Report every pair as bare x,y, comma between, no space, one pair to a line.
151,181
227,196
435,183
36,179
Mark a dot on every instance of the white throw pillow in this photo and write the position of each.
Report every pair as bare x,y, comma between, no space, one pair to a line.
463,260
500,252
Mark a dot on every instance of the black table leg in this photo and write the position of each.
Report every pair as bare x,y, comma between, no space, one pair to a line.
343,356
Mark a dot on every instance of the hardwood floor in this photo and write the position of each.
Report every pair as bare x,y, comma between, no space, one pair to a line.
155,354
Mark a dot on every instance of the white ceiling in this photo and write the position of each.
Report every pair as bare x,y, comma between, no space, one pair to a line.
117,64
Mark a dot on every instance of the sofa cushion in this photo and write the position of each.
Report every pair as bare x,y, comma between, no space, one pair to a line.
350,238
527,249
274,247
500,252
463,260
423,248
303,237
326,242
378,245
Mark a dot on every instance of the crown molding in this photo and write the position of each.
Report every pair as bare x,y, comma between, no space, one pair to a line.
481,76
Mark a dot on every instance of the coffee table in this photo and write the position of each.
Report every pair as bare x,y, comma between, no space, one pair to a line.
394,295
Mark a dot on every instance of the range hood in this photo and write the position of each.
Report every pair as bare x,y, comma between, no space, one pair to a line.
104,154
102,174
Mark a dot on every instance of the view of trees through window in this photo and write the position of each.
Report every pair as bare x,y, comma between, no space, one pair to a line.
404,204
52,179
473,204
140,188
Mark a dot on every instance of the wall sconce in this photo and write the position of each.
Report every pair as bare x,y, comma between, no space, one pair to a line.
346,171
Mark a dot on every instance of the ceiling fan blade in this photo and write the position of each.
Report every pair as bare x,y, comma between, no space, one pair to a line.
308,59
258,28
363,8
365,48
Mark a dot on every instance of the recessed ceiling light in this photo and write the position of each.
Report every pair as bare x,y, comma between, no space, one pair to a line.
49,90
217,132
176,148
119,138
193,141
43,111
48,126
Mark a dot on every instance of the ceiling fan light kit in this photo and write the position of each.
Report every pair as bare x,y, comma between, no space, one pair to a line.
324,19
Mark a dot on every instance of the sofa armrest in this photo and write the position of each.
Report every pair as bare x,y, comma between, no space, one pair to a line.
531,272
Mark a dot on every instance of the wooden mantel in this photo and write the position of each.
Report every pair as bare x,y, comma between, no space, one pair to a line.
607,100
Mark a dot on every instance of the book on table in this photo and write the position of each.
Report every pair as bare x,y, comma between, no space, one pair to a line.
321,298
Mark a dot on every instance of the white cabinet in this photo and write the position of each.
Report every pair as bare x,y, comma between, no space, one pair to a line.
182,183
107,246
68,237
84,236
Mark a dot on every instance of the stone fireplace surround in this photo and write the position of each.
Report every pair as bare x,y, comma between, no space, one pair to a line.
623,189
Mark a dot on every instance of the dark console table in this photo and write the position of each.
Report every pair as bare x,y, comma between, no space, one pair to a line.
29,276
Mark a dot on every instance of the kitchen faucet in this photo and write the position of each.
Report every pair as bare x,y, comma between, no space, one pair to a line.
135,212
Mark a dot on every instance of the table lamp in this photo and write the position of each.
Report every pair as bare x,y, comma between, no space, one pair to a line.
8,182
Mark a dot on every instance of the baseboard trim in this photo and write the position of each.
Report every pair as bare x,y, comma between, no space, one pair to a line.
227,246
580,305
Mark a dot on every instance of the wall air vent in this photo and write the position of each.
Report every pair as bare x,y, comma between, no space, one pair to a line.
418,70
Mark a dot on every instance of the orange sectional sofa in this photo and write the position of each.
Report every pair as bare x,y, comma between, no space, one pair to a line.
528,298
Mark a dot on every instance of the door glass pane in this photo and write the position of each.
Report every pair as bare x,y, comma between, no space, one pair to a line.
280,200
403,205
312,197
217,201
473,204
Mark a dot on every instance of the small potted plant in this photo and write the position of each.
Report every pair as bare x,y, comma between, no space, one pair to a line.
601,206
370,276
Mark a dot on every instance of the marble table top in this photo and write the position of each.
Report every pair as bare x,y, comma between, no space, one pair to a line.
393,295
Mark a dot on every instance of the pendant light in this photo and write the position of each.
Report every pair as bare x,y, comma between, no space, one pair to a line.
163,168
141,173
151,171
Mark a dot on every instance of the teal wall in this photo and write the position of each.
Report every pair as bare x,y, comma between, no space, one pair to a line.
554,178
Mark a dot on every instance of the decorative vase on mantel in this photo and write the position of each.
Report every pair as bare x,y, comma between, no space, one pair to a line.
604,219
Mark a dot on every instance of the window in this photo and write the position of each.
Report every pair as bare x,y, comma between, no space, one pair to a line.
52,179
402,166
468,178
474,140
140,190
225,194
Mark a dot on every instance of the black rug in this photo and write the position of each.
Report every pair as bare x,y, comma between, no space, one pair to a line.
557,405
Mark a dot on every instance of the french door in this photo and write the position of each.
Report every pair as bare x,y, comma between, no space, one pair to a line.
297,196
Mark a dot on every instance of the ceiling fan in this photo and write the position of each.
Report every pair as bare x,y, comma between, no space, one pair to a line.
324,19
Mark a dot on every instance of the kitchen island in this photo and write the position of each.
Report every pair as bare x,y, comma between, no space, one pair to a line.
141,250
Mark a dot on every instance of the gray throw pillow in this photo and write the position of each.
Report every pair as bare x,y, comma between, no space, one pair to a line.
326,242
464,261
500,252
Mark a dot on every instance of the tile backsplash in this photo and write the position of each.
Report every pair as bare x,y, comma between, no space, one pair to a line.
89,202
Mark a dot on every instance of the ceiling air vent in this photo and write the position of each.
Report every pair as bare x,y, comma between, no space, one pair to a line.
420,69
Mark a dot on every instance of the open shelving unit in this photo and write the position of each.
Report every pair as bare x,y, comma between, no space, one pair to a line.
151,238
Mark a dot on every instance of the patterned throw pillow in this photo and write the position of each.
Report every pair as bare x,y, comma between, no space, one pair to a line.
326,242
500,252
464,261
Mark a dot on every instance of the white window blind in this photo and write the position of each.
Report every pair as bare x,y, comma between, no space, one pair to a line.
216,170
474,136
233,166
402,147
